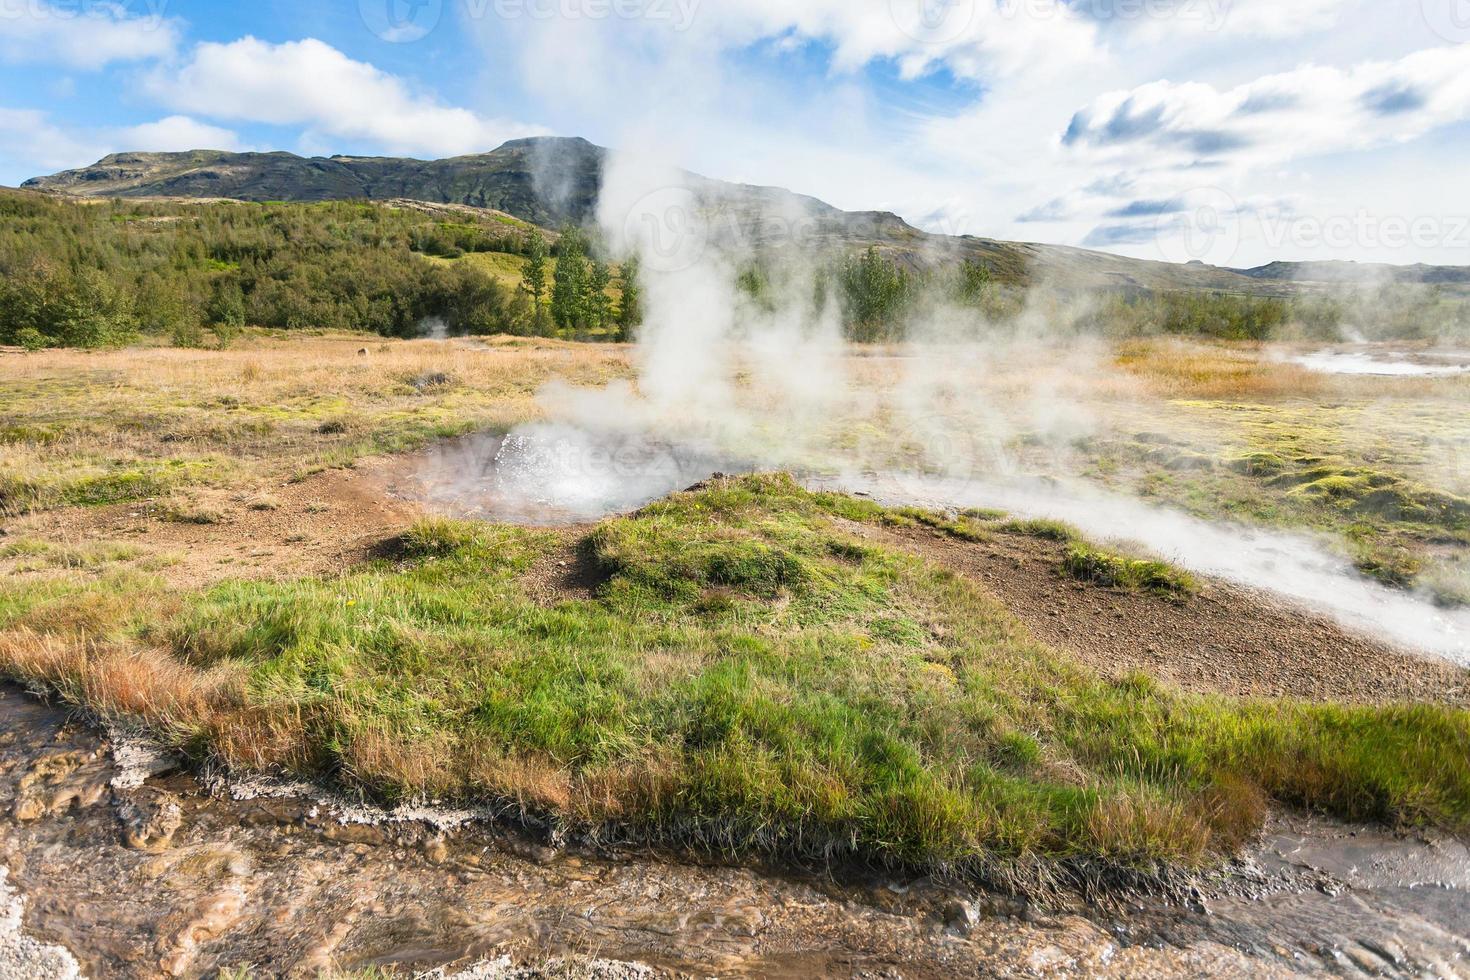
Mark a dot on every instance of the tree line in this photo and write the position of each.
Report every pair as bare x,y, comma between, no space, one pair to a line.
101,273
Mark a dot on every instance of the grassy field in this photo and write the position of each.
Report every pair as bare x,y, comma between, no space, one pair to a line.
503,267
105,427
744,676
733,668
1381,464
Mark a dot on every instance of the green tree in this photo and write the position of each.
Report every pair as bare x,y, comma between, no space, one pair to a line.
226,307
599,303
630,310
569,284
973,285
875,293
533,278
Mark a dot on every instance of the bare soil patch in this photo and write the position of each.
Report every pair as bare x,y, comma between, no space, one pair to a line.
565,573
321,525
1227,640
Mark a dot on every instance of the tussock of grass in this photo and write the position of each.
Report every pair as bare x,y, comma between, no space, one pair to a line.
748,679
1043,528
34,553
962,526
1089,564
184,508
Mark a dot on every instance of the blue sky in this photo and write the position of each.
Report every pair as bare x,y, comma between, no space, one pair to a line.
1233,131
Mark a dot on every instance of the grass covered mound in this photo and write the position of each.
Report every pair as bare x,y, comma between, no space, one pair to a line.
745,675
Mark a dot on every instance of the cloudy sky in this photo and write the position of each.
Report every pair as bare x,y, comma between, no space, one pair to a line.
1233,131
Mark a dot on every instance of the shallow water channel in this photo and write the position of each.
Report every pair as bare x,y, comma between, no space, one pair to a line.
1386,361
136,870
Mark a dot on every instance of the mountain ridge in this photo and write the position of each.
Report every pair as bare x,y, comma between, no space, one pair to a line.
550,181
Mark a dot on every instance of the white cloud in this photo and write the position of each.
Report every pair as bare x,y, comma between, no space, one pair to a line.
1223,20
310,83
177,133
28,139
1278,18
971,38
31,143
88,36
1309,110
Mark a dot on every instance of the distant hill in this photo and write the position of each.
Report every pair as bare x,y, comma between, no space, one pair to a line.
1359,273
549,181
543,182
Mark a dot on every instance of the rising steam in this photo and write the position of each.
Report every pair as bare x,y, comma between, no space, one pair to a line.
730,385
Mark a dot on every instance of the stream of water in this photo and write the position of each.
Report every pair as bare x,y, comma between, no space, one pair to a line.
1387,362
134,870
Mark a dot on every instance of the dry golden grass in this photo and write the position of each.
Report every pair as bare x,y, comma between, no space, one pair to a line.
179,703
94,427
121,682
1127,827
1192,369
1189,369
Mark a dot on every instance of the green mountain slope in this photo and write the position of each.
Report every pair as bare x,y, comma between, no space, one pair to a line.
549,181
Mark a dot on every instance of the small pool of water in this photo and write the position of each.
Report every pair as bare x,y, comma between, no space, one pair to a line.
1387,362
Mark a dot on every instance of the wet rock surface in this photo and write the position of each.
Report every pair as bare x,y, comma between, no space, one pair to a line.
139,872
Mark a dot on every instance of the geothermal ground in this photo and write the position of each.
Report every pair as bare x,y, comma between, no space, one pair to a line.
962,735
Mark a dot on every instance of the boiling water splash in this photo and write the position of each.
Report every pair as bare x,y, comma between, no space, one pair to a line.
548,474
575,472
